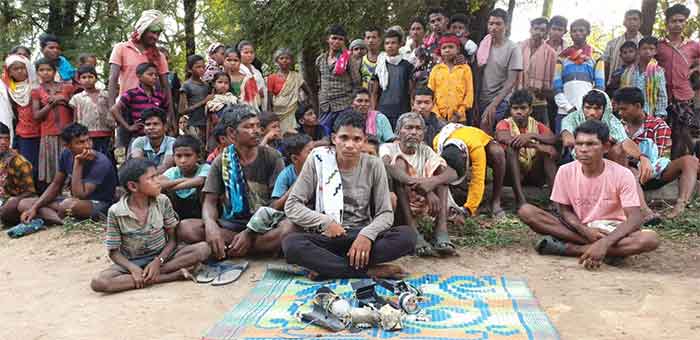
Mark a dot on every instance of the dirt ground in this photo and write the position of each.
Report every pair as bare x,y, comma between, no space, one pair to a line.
45,294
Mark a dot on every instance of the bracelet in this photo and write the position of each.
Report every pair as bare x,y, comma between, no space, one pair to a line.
161,259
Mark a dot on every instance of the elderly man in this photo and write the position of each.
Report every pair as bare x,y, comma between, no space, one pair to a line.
420,178
139,49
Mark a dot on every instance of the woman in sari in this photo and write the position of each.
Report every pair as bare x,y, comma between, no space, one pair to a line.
283,89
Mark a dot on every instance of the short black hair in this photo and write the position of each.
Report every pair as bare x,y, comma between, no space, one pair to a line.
374,141
677,9
360,91
393,34
293,144
373,29
193,59
218,131
594,127
649,41
44,61
217,75
133,169
4,130
46,38
424,91
455,159
581,22
234,115
73,130
188,141
349,118
336,29
437,10
499,13
521,97
629,95
16,49
539,21
628,44
632,12
87,69
558,20
244,43
233,50
419,20
594,97
301,110
267,118
153,112
459,17
142,68
83,57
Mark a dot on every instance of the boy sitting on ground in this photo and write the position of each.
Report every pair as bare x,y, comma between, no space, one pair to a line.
16,180
91,177
529,146
295,148
599,213
183,183
155,145
140,235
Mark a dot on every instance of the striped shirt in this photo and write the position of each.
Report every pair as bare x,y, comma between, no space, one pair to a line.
137,100
133,240
573,81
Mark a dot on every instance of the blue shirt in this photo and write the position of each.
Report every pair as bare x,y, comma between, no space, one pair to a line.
144,144
175,173
98,171
284,181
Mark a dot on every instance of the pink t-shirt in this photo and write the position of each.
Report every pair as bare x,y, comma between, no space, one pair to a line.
599,198
128,57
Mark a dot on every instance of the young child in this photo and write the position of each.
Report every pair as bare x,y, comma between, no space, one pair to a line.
451,84
222,97
195,95
308,123
155,145
19,78
628,55
392,84
183,127
272,132
232,67
284,88
295,149
140,236
649,77
87,59
222,141
459,26
50,107
183,183
91,109
127,111
371,146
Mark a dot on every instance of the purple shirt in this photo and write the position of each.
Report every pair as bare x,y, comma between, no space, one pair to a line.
136,100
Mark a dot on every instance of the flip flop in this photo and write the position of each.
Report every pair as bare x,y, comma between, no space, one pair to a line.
24,229
207,273
443,246
229,273
423,248
549,245
651,219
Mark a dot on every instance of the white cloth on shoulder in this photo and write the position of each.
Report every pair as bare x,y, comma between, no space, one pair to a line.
329,184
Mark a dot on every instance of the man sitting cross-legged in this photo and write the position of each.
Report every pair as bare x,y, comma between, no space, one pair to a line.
420,179
240,181
653,136
529,146
16,181
348,230
598,206
91,177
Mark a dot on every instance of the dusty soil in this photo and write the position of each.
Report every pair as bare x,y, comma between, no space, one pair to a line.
45,294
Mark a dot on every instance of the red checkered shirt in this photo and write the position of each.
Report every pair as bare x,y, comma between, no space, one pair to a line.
657,130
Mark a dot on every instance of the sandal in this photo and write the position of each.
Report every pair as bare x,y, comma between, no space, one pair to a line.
549,245
423,248
24,229
443,246
207,273
229,273
498,214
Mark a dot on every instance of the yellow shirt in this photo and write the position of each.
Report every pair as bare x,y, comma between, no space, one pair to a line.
454,90
476,140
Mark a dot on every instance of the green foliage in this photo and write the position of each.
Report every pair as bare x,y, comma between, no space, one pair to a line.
480,232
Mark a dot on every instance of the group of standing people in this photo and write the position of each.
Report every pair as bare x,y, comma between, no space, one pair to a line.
339,188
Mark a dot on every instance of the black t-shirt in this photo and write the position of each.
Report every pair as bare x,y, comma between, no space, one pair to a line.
396,99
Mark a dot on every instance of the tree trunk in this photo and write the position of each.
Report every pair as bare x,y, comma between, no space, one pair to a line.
511,8
480,19
190,9
648,16
308,56
547,8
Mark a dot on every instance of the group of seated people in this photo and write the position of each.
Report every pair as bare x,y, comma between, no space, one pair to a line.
339,206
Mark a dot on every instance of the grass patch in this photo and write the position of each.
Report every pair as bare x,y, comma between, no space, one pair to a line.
87,227
488,233
683,228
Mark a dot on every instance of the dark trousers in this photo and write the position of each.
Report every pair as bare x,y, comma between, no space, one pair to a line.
328,256
29,148
104,146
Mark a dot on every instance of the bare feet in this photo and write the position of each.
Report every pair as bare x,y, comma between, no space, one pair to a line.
496,211
649,217
387,271
678,210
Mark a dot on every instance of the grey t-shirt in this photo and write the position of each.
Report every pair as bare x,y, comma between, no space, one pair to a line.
366,202
195,93
502,60
260,175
